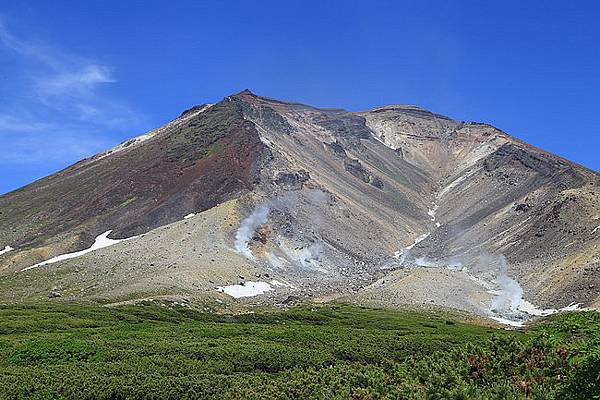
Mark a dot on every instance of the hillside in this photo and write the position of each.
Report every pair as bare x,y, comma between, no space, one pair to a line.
282,202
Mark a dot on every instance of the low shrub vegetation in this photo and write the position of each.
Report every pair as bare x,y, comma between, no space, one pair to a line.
69,351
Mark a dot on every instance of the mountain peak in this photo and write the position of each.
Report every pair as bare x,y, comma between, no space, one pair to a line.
321,202
245,92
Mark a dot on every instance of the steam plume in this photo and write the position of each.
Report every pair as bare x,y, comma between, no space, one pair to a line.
304,256
494,268
258,217
491,270
249,225
509,296
297,250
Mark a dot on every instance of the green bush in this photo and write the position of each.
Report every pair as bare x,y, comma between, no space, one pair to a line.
333,352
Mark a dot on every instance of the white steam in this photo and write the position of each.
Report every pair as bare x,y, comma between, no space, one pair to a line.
249,225
509,296
488,270
294,249
318,196
509,293
307,257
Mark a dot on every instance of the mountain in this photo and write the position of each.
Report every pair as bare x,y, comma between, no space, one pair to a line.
255,201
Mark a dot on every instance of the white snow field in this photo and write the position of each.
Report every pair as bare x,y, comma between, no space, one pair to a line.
248,289
6,250
101,242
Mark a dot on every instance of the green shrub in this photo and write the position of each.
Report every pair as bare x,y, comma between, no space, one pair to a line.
333,352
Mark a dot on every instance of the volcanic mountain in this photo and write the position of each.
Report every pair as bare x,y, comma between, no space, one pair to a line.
258,201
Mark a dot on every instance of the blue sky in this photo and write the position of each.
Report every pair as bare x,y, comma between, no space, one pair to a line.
77,77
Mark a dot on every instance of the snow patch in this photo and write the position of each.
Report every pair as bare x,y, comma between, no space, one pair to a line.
505,321
6,250
431,212
419,240
266,141
247,289
277,283
596,229
403,254
531,309
101,242
382,141
455,183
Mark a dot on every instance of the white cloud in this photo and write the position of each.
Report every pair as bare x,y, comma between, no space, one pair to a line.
10,123
58,110
81,81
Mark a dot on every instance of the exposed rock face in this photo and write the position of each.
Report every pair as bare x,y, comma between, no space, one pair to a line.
377,206
292,180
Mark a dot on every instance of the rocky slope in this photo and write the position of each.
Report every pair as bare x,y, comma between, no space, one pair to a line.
391,207
204,157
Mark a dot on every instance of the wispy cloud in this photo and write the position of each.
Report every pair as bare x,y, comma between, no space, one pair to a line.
11,123
56,107
82,81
